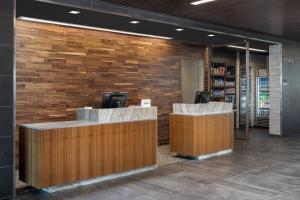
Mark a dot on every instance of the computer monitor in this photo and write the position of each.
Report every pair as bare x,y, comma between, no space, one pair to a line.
202,97
114,99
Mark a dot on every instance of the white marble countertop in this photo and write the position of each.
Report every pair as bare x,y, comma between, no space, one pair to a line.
89,117
212,108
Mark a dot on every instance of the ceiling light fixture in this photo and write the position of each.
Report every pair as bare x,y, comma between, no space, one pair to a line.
134,22
211,35
196,3
179,29
244,48
74,12
91,28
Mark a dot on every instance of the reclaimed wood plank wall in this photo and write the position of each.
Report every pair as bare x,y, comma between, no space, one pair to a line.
62,68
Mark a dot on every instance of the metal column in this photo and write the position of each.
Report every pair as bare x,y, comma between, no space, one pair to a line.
247,89
237,86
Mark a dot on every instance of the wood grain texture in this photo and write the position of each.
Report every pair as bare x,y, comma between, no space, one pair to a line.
199,135
61,156
62,68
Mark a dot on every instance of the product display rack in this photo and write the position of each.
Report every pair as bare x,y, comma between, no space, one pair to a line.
223,82
230,84
218,81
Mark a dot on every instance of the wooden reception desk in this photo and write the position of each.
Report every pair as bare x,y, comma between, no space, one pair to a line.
196,131
66,152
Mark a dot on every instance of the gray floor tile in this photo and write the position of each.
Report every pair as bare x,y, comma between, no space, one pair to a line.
267,168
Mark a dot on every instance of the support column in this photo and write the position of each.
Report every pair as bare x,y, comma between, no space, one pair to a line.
237,89
207,71
275,87
7,99
247,89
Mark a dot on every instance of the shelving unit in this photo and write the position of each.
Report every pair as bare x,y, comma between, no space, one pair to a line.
218,81
223,82
230,84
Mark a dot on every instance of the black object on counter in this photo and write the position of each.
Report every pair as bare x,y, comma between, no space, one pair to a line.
202,97
114,99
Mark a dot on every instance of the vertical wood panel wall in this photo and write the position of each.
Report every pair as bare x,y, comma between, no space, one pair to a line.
62,68
61,156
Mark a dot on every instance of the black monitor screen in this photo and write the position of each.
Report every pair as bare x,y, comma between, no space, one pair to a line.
114,99
202,97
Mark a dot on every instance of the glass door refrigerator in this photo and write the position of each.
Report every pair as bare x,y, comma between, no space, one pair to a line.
262,102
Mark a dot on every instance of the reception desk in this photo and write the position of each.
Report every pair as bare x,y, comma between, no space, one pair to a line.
198,130
102,142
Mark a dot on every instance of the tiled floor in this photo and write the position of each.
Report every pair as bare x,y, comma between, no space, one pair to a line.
165,157
266,169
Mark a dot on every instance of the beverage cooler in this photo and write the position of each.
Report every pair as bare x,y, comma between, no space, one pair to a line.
262,102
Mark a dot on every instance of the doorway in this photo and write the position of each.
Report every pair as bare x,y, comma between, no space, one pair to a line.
241,77
192,78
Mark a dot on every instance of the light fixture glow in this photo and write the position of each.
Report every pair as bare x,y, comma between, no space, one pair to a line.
196,3
244,48
134,22
74,12
92,28
179,29
211,35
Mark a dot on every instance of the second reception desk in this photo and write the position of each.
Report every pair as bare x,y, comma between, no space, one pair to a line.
197,130
103,142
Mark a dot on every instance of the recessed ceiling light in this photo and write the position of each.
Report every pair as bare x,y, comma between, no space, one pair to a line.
92,28
134,22
74,12
211,35
179,29
195,3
